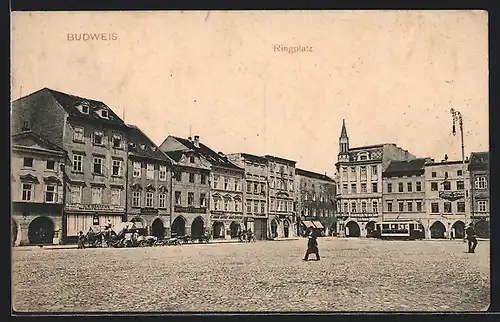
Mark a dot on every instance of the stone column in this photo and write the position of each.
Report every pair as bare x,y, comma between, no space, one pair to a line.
56,239
22,235
187,230
362,229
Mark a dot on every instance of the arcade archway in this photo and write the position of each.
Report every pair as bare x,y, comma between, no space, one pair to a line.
197,227
179,227
482,228
218,229
274,228
14,231
41,231
459,229
353,229
370,229
286,228
157,228
437,230
235,229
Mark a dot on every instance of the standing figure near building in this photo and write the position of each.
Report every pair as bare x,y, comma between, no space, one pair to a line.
471,238
81,240
312,247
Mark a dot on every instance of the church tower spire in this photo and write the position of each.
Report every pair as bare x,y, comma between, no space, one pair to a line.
343,144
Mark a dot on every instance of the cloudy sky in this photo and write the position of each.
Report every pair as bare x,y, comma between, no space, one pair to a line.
393,76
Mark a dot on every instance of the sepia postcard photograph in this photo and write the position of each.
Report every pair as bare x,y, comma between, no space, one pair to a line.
249,161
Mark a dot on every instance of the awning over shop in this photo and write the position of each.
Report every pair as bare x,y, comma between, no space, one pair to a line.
318,224
313,224
308,224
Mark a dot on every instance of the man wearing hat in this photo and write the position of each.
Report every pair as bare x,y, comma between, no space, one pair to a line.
471,238
312,247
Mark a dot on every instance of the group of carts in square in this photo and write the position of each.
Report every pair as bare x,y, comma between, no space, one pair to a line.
127,234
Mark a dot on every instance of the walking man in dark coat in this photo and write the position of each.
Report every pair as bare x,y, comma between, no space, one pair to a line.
471,238
312,247
81,240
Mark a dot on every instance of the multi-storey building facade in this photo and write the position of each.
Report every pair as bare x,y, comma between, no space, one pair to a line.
315,199
255,191
225,199
446,195
95,139
282,217
359,179
190,192
37,189
149,184
403,195
480,194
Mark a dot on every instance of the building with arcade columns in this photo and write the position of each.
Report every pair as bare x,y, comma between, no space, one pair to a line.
359,183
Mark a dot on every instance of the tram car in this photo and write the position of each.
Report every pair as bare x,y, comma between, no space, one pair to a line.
406,230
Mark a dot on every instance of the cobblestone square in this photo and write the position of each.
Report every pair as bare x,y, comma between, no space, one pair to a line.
353,275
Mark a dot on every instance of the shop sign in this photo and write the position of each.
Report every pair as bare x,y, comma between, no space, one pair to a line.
451,195
94,207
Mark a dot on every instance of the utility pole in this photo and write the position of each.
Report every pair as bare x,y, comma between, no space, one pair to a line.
457,117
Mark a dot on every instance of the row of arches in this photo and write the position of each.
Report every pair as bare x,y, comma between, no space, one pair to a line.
40,230
437,229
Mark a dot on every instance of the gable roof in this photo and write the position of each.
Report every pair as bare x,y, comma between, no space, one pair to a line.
175,155
70,102
315,175
16,138
140,139
401,167
210,155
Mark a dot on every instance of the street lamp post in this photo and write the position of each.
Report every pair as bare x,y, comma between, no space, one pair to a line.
457,117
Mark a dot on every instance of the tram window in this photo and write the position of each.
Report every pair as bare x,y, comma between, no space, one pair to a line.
395,226
385,226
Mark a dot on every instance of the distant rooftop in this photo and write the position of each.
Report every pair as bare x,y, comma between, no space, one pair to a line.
311,174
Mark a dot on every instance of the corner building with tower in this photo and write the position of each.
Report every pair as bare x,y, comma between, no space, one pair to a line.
359,179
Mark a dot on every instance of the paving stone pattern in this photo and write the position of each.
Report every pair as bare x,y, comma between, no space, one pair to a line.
353,275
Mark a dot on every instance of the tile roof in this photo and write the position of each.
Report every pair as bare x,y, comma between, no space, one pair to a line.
315,175
144,146
69,103
250,157
479,158
175,155
17,137
370,146
210,155
405,166
272,157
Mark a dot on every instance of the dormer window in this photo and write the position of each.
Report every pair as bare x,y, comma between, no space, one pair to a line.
117,141
98,136
104,114
363,157
85,107
143,146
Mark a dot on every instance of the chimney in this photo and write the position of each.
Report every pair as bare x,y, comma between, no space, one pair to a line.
190,139
197,141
